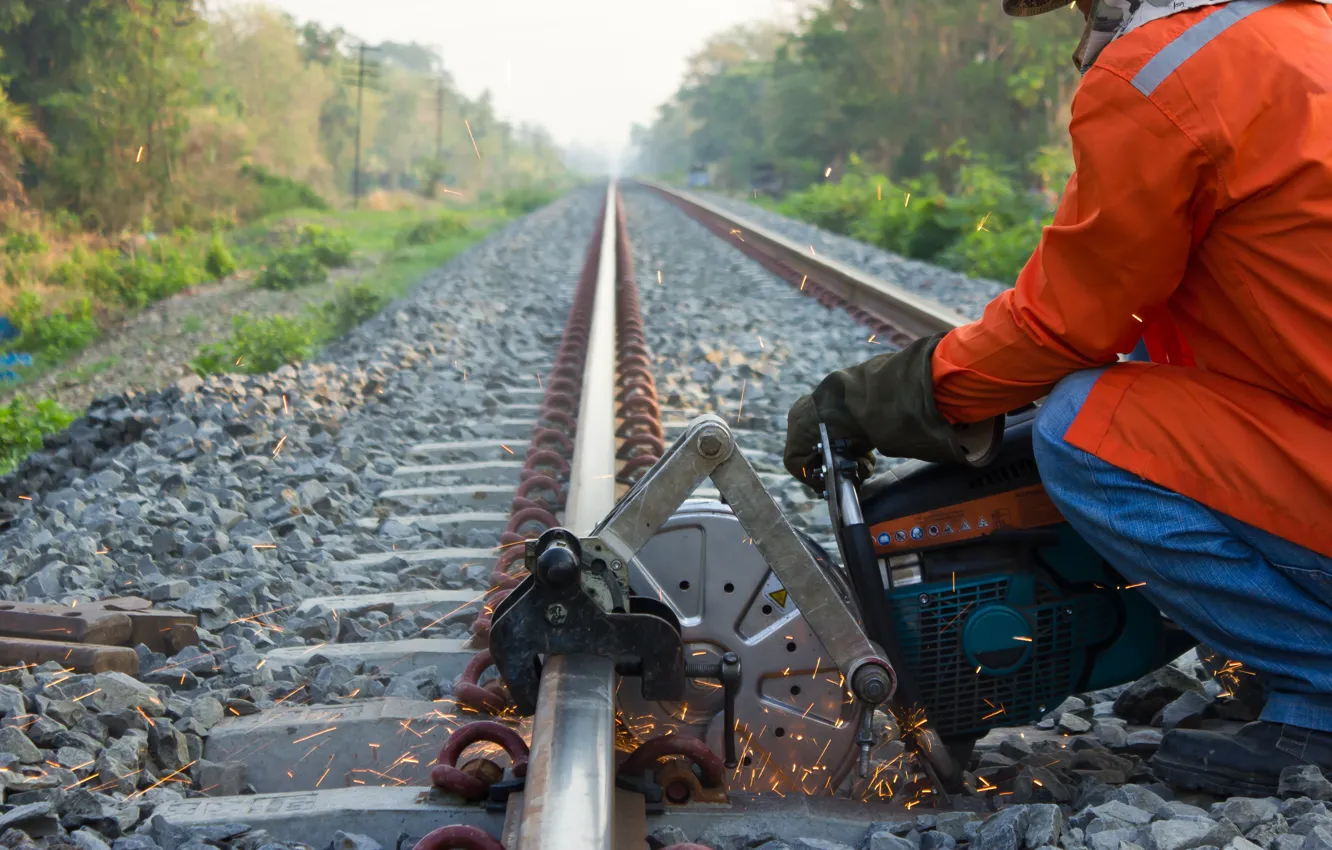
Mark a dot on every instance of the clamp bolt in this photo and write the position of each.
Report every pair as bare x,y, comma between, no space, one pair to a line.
710,443
873,684
556,614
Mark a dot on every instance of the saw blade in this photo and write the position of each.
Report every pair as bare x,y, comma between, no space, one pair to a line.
795,717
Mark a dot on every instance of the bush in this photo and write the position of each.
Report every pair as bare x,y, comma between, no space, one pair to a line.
994,255
258,345
331,248
988,227
524,199
432,230
909,220
218,262
60,333
279,194
213,359
832,206
307,261
20,242
292,268
349,307
141,279
24,424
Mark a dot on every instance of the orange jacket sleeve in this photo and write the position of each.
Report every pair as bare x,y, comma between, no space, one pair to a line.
1117,249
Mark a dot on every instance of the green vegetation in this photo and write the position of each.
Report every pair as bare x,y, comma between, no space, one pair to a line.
434,229
350,306
148,148
83,373
956,103
117,112
987,227
59,333
414,246
258,345
524,199
294,267
278,194
23,424
218,262
306,260
331,248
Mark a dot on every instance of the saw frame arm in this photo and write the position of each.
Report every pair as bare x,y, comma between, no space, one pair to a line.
706,450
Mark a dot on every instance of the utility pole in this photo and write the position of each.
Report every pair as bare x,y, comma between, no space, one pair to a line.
360,89
367,73
437,171
439,121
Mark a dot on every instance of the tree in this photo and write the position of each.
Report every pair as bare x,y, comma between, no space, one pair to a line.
889,80
110,84
19,140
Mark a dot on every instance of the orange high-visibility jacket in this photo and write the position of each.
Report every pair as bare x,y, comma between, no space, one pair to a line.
1200,214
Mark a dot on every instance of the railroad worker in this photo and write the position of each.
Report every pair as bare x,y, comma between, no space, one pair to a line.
1198,221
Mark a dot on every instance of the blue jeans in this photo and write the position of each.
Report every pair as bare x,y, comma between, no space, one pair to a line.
1253,597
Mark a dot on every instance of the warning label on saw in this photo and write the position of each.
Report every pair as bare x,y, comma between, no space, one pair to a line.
774,592
1026,507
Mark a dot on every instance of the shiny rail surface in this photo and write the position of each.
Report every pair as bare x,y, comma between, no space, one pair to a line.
569,797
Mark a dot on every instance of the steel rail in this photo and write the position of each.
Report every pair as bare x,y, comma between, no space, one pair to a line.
569,796
884,300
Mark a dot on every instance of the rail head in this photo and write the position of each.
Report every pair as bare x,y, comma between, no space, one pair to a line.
570,791
888,300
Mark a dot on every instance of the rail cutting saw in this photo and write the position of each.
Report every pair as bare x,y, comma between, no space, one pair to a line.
960,601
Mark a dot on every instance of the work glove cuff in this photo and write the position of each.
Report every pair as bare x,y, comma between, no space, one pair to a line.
888,402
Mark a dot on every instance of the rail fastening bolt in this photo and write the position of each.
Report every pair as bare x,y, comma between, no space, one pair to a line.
556,614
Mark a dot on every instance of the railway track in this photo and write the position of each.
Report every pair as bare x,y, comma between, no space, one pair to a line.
596,423
355,686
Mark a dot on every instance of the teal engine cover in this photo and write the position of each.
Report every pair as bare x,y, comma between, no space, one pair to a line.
995,630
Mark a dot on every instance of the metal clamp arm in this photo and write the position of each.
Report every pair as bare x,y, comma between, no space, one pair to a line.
707,450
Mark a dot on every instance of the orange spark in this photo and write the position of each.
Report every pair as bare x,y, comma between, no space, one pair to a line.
473,138
315,735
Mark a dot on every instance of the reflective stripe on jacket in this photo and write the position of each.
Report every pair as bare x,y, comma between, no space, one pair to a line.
1200,216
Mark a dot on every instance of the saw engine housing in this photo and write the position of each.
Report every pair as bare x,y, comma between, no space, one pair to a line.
1000,610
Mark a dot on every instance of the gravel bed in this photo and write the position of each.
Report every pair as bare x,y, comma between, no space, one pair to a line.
722,329
235,498
967,295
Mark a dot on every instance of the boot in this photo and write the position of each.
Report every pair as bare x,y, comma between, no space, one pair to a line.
1247,763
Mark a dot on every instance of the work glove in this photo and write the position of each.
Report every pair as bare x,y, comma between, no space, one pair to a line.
885,403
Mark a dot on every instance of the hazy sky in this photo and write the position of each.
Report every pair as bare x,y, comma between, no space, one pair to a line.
585,69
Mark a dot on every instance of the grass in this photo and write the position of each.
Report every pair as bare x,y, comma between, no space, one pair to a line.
399,256
83,373
192,324
378,236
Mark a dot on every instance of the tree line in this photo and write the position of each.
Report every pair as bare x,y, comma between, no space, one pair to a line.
888,80
932,128
116,112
